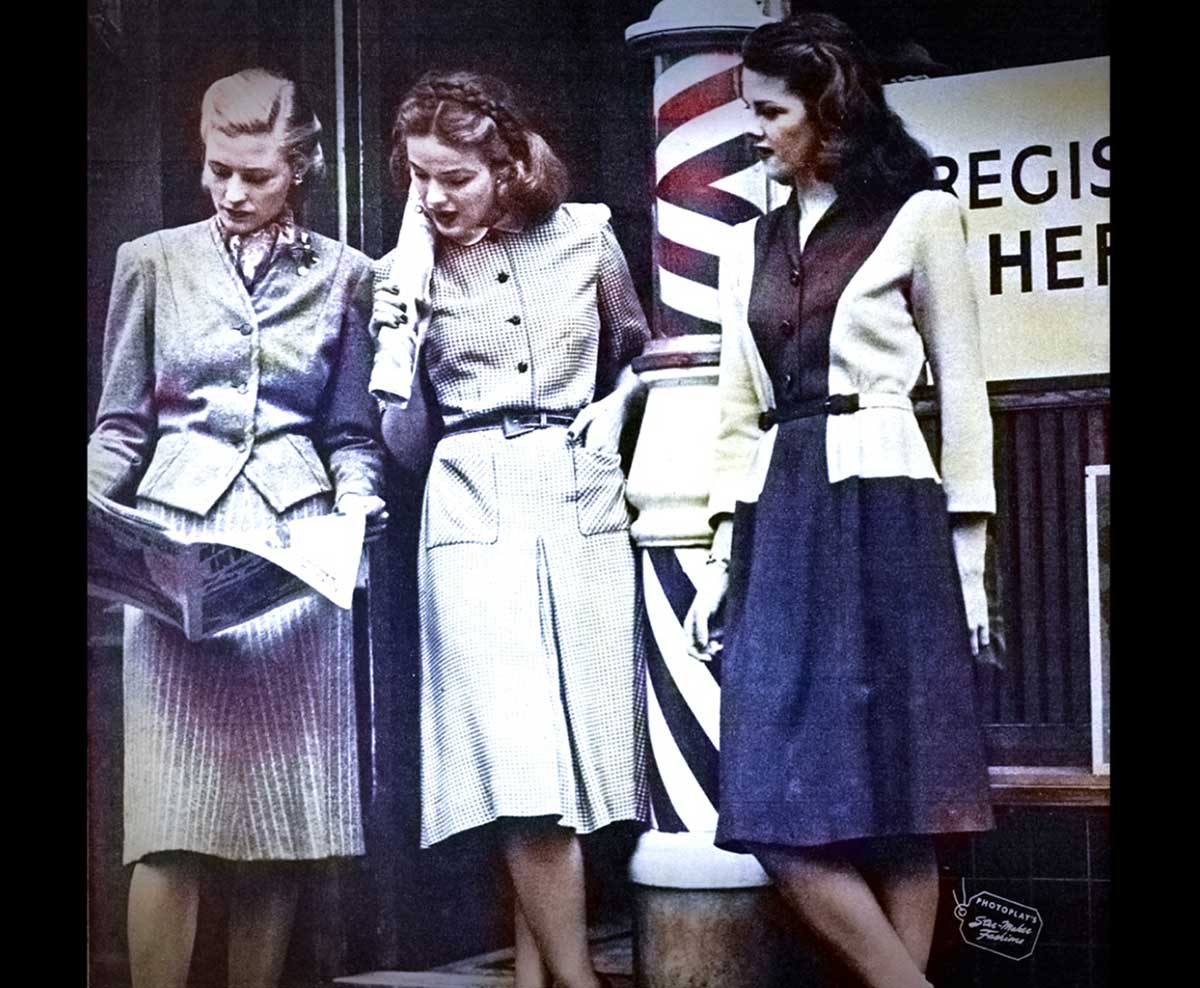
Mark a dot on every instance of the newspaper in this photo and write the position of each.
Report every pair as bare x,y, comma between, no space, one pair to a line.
206,583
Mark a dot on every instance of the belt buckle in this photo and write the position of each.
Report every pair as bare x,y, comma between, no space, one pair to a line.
513,426
841,404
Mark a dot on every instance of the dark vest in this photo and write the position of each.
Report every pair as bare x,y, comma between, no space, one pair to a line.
793,296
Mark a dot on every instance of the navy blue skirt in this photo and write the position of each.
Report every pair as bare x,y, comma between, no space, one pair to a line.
847,697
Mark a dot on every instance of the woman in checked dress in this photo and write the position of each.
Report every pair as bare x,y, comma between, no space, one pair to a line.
532,697
236,364
854,572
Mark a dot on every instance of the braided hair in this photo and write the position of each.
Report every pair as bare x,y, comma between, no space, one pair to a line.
472,110
864,151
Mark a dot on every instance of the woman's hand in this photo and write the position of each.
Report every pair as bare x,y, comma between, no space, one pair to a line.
599,424
710,594
373,507
388,310
969,533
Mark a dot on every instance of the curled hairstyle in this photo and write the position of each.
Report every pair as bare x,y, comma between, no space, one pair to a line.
470,110
258,101
863,149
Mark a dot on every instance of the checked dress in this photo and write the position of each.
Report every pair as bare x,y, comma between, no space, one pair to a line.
532,692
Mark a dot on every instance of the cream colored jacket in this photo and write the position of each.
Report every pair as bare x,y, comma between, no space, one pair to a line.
911,301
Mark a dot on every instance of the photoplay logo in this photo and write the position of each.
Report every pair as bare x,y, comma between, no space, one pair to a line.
1002,926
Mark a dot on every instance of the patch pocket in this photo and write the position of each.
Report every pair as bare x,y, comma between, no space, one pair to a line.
460,500
599,491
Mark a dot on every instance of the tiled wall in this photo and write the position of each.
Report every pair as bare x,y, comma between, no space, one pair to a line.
1055,859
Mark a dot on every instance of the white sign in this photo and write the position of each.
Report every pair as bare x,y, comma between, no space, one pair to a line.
1027,151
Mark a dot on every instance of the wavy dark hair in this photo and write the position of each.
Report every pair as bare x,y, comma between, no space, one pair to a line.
472,110
864,150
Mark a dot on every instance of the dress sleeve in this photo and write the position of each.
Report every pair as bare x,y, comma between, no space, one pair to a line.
126,422
945,313
349,430
623,327
738,433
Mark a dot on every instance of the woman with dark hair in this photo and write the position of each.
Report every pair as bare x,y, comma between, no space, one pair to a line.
532,695
236,361
853,571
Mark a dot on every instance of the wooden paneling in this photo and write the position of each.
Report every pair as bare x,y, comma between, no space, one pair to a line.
1037,707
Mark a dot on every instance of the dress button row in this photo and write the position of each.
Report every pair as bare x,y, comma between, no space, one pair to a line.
502,277
515,320
522,366
244,329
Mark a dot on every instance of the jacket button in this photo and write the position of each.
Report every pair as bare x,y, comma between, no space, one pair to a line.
787,380
242,389
515,320
522,366
502,277
245,330
797,277
785,327
241,446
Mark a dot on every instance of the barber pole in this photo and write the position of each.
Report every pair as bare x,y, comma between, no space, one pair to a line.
707,181
701,917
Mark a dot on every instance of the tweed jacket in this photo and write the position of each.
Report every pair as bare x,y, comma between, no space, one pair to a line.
203,382
910,301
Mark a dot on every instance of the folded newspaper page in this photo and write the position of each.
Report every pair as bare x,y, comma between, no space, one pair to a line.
206,583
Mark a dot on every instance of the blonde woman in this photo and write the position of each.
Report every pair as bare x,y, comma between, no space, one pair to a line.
236,362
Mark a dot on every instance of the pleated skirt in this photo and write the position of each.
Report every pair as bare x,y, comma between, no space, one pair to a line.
242,746
848,702
532,655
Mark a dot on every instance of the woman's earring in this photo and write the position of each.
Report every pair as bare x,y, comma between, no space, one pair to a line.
297,179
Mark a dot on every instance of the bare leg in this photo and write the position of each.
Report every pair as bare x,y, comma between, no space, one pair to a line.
262,904
530,971
546,865
903,873
164,898
833,898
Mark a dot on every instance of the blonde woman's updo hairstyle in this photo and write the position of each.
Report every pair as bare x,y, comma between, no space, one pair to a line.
258,101
470,110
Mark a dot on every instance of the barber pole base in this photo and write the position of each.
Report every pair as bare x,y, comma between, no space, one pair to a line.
703,917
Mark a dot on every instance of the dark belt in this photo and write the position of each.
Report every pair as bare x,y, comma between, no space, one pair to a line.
514,423
832,405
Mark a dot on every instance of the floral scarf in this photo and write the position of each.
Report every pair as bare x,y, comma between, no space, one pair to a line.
253,253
